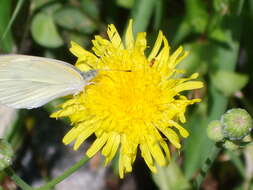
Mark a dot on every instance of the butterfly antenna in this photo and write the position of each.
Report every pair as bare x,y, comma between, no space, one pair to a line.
120,70
128,70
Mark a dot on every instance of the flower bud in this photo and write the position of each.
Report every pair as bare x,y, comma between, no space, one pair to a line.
6,154
237,123
214,131
229,145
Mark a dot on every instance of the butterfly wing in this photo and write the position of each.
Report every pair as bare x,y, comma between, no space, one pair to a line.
30,81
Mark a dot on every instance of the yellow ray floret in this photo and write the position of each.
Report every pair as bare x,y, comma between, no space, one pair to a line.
130,110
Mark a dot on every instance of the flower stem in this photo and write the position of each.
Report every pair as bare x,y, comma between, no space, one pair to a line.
206,166
64,175
22,184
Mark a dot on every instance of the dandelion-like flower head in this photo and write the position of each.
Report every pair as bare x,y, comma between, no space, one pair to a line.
125,110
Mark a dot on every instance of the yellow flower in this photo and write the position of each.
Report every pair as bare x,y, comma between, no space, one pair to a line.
129,110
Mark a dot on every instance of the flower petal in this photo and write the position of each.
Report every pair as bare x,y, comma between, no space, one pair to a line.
188,86
129,38
97,145
156,47
145,153
114,36
181,130
141,42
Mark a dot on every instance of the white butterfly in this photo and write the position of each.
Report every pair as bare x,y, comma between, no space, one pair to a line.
30,81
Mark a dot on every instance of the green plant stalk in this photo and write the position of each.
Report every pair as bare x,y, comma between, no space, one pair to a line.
65,174
24,186
237,162
14,15
208,163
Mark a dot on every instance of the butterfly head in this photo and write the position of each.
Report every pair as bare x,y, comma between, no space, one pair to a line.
88,75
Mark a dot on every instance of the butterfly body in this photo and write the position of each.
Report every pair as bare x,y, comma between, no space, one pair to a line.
30,81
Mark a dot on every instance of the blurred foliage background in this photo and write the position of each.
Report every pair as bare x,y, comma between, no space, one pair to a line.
218,34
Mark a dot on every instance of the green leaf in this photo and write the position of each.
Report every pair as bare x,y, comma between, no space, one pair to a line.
247,37
44,31
171,178
197,15
73,19
229,82
158,14
184,29
196,60
6,44
221,6
36,4
90,7
141,14
7,154
51,8
236,6
126,3
250,4
222,54
81,39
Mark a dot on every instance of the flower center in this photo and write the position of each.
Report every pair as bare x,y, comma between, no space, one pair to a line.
127,96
